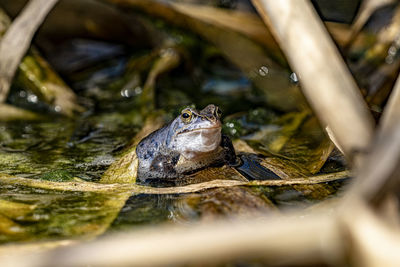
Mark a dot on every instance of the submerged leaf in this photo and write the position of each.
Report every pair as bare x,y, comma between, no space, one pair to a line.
10,228
272,138
14,210
298,147
222,202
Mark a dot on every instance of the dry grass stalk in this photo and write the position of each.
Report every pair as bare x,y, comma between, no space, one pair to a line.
329,88
12,250
380,172
114,188
17,40
392,109
371,241
367,8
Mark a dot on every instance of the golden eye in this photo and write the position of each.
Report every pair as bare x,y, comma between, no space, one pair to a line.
186,115
218,112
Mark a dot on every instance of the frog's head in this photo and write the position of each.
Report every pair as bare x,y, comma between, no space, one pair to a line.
197,132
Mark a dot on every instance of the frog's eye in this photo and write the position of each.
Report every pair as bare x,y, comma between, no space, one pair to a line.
186,115
218,112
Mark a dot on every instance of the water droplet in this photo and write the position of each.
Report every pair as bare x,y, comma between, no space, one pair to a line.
138,90
392,51
389,59
32,98
293,78
125,93
263,71
22,94
167,52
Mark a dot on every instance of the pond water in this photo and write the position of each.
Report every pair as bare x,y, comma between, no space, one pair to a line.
109,88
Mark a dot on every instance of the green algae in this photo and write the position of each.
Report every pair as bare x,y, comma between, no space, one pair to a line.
57,176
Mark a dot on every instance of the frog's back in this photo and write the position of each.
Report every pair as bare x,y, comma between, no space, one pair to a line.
147,148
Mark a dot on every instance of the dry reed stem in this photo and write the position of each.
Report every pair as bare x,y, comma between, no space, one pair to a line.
17,40
392,108
380,173
16,249
371,241
137,189
325,79
231,19
367,8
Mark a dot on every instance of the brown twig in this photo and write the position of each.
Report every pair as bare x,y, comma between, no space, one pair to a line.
137,189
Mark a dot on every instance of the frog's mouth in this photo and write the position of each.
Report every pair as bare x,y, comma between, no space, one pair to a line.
212,129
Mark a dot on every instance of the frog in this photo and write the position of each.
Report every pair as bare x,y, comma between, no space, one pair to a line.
190,142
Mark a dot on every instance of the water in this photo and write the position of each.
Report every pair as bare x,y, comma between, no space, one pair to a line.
59,149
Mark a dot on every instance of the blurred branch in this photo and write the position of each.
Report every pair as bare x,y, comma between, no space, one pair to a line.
17,40
392,110
330,88
233,20
318,238
380,173
372,241
36,247
203,243
368,7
